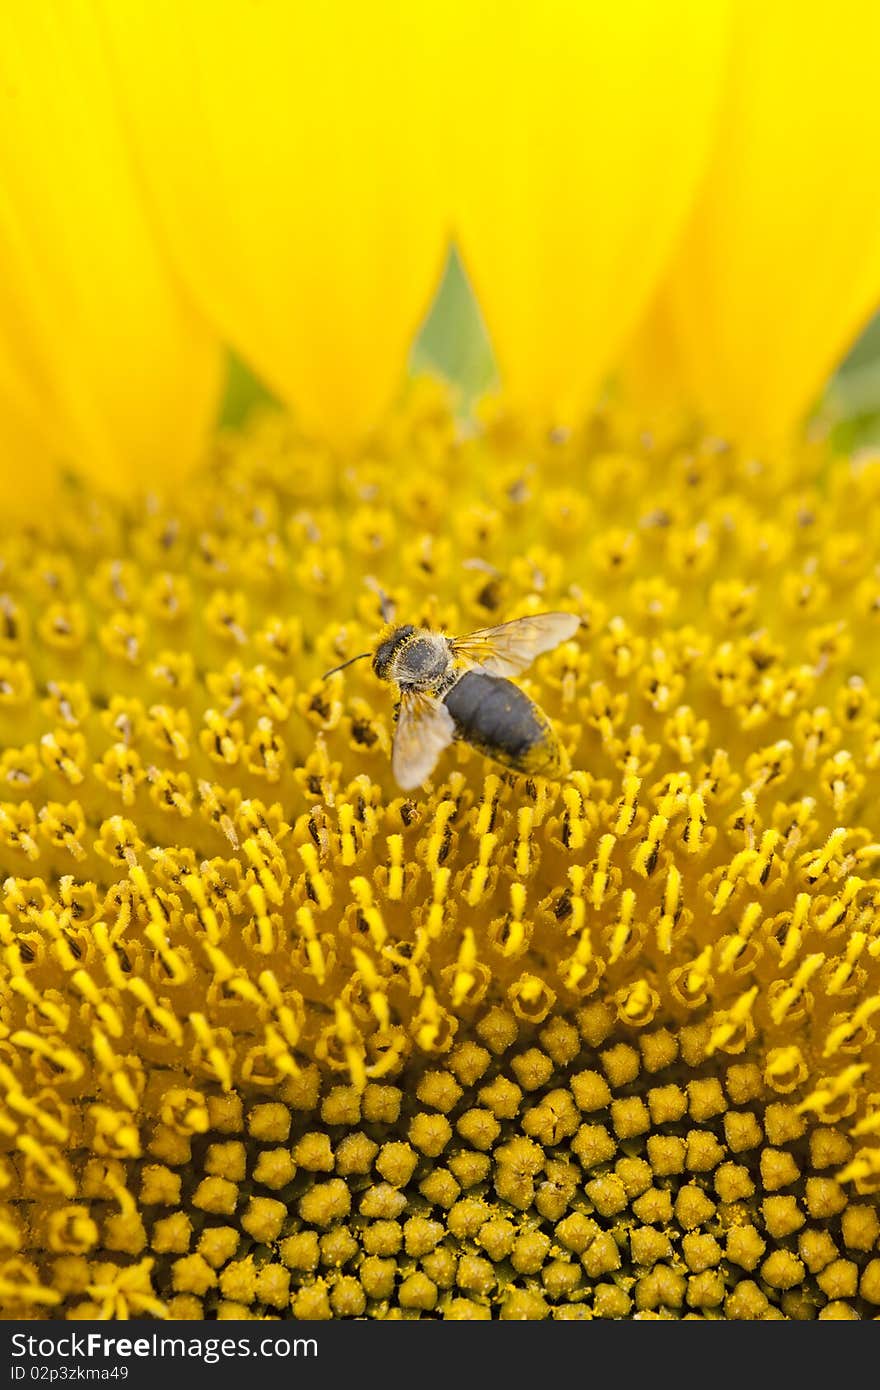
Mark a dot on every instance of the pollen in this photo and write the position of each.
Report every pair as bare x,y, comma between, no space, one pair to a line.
279,1040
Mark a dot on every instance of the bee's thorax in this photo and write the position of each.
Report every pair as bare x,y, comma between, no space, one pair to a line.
421,662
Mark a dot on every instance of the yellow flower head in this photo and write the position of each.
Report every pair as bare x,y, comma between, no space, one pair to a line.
278,1039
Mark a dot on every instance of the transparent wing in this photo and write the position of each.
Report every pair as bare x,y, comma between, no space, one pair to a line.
511,648
424,728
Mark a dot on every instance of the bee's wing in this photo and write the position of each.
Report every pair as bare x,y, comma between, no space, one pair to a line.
511,648
424,728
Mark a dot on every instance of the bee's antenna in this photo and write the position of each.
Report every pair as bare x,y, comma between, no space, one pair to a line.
350,662
386,604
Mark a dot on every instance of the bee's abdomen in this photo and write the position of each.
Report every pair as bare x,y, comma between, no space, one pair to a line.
495,716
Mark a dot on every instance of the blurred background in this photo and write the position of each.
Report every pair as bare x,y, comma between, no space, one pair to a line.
675,199
453,342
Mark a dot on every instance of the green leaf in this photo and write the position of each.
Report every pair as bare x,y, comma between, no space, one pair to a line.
243,393
453,340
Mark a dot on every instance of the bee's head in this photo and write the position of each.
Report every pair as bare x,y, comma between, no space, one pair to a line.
388,649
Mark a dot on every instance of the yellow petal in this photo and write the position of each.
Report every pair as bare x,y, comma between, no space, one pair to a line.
779,264
103,366
28,469
293,151
29,445
584,128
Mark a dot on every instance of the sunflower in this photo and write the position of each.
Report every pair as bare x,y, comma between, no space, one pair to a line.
278,1039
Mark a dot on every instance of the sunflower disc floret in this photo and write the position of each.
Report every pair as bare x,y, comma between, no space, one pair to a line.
277,1040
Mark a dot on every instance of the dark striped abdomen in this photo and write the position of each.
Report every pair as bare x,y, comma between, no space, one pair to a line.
495,716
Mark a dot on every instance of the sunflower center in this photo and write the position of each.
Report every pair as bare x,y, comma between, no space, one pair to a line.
280,1038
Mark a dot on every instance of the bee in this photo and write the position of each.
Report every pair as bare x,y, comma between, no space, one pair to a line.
458,688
